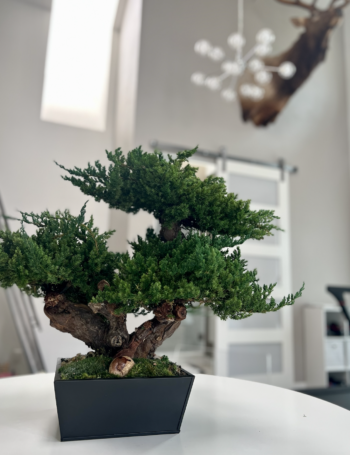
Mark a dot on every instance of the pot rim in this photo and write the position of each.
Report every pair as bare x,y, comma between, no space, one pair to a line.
58,376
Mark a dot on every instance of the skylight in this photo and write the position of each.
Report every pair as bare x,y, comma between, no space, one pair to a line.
78,60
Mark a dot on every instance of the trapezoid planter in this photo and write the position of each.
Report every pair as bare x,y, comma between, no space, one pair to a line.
112,408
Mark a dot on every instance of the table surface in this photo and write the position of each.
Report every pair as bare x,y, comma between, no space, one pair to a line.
223,416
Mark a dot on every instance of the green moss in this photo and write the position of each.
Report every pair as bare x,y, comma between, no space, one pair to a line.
97,368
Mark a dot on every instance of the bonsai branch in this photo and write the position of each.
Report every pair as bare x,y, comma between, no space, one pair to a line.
151,334
167,234
97,326
117,334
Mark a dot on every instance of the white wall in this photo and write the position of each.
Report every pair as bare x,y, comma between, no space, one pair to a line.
11,353
346,36
29,179
126,105
311,133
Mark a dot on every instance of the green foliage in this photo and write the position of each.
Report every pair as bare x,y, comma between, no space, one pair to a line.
97,368
171,191
190,269
193,267
69,255
66,254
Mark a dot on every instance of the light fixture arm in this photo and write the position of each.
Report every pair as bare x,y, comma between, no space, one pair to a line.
253,60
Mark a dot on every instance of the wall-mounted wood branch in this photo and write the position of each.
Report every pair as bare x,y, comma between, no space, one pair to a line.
306,53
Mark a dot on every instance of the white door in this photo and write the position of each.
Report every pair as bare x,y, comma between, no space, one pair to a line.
260,348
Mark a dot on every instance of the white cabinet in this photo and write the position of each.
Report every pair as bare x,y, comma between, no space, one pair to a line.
347,352
334,352
327,346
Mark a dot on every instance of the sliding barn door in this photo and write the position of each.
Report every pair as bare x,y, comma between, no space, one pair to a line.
260,348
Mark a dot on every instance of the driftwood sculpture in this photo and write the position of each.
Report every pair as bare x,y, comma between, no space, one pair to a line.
306,53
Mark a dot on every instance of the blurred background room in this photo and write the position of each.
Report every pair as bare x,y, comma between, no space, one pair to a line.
79,77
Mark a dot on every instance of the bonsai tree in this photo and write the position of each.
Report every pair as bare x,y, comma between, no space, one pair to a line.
195,257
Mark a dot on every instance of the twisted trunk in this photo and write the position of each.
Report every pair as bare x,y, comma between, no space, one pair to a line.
106,333
167,234
96,325
151,334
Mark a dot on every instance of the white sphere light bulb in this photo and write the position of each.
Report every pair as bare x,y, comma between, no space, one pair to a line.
287,70
263,77
257,93
235,68
261,50
256,65
254,62
228,95
236,41
202,47
252,91
245,90
198,78
216,54
213,83
265,36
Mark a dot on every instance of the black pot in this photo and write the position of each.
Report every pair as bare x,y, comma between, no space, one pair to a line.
112,408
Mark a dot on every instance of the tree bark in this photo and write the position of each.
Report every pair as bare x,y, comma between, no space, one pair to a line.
106,333
96,325
169,234
151,334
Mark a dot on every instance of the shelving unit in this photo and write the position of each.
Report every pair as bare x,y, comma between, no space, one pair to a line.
327,346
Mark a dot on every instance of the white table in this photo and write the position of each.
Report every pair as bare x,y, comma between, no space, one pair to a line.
223,416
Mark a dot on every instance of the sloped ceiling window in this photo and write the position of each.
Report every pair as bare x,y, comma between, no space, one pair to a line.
78,59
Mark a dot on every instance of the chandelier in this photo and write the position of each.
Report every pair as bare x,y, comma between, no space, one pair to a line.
233,68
